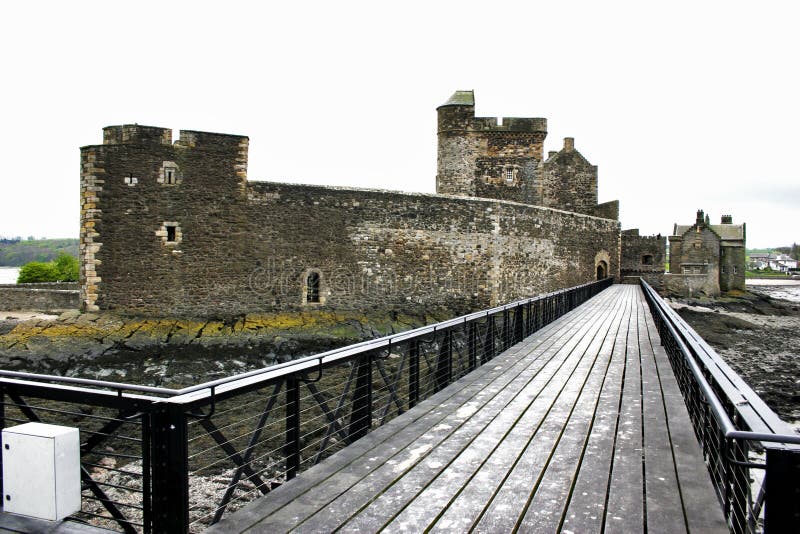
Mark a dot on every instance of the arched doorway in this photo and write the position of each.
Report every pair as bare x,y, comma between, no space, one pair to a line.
602,270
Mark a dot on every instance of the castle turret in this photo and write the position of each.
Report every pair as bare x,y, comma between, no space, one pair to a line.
485,156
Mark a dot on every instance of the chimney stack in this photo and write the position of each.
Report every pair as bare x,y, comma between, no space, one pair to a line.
700,218
727,219
569,144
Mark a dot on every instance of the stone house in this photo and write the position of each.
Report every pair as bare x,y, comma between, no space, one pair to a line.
710,258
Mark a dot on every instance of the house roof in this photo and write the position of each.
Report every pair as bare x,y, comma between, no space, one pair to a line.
724,231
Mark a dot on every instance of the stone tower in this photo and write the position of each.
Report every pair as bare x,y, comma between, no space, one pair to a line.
485,156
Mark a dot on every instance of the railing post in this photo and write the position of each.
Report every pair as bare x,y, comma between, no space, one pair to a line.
506,330
292,439
413,373
444,363
361,417
782,513
488,348
472,344
170,464
528,318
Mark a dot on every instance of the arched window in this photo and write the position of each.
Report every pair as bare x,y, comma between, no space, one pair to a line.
312,287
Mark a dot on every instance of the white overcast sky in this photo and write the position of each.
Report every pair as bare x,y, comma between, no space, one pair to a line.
682,105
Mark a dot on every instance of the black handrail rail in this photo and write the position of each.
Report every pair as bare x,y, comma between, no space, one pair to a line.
687,338
181,433
753,457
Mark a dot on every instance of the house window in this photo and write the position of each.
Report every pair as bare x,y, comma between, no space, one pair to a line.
170,234
509,174
312,287
647,259
697,244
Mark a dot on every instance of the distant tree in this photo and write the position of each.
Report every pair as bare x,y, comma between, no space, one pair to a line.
63,269
795,253
67,267
36,271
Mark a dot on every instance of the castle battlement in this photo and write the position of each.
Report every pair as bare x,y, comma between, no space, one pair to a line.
174,227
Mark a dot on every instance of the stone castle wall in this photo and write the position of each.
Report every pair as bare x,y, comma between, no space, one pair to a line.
642,254
176,229
39,297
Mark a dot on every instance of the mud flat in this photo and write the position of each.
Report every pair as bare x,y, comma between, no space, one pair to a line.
758,334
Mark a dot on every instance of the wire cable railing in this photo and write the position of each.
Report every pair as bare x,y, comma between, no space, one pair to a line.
753,456
179,460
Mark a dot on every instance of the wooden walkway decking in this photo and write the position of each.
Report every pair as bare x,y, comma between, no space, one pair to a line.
579,428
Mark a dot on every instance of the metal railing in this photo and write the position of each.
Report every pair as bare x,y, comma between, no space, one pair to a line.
752,455
164,460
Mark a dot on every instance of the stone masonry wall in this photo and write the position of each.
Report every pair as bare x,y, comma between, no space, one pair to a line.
642,254
569,181
39,297
212,244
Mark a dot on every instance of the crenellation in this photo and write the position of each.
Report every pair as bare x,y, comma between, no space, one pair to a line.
209,243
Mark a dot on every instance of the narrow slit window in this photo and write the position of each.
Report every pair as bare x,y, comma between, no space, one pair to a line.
169,175
312,287
171,234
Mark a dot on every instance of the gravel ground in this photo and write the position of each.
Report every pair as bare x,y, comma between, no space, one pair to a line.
758,335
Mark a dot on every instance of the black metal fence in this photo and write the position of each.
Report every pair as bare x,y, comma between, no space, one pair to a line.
753,457
163,460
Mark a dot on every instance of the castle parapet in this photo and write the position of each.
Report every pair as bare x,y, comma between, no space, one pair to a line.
136,134
206,140
511,124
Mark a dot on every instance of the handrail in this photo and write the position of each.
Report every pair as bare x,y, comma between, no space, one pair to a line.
283,369
335,355
686,338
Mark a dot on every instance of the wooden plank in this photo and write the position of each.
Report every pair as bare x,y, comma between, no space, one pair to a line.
412,423
579,428
508,506
547,507
701,508
625,506
663,494
411,453
395,496
587,503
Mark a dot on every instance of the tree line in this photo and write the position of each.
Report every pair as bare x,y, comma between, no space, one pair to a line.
16,252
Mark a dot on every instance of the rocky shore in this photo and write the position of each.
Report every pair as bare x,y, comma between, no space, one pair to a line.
177,352
758,334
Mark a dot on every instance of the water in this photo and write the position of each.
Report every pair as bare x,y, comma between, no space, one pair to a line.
8,275
777,288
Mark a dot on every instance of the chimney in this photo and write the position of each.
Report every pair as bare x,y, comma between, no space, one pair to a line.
551,153
569,144
700,218
727,219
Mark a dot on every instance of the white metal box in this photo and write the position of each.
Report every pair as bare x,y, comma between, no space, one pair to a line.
41,471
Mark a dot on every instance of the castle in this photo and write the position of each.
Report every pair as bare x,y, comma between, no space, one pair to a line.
176,228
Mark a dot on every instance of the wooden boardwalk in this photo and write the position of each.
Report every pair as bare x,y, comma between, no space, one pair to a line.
579,428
